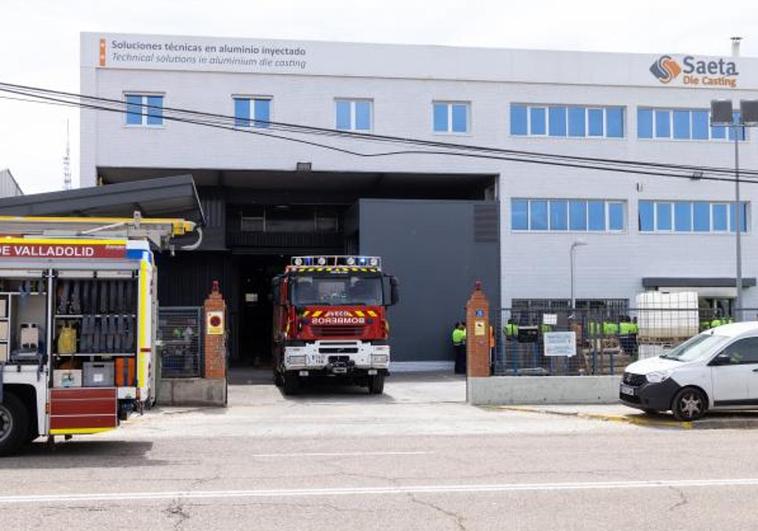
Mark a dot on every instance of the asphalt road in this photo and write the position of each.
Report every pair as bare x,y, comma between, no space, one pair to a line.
416,458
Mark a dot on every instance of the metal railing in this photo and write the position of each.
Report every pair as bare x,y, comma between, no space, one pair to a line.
606,341
181,346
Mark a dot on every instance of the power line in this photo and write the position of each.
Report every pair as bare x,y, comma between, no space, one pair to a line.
219,121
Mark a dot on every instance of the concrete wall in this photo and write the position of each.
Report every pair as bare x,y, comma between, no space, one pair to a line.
431,247
192,392
525,390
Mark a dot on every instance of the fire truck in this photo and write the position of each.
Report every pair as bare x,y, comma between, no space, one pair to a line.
330,320
78,308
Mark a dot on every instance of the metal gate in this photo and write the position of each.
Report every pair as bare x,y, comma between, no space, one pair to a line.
180,331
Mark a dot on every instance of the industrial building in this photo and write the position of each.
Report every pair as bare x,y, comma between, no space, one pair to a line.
440,222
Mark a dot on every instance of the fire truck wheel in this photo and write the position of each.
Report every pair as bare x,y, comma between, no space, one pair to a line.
376,384
291,383
14,424
278,378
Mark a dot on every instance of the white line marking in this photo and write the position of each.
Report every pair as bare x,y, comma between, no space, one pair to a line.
336,454
360,491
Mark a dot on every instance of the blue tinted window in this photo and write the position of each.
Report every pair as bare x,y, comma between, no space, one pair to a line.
558,215
740,132
518,119
662,124
595,119
440,117
578,215
557,119
644,123
616,216
682,124
537,120
576,117
702,216
683,216
615,122
363,115
262,113
718,132
538,215
242,112
519,214
134,110
646,216
733,217
663,216
596,215
154,110
719,214
343,114
700,125
460,121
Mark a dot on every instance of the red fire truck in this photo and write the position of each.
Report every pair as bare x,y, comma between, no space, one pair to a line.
330,320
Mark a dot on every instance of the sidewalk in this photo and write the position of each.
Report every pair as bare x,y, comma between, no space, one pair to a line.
620,413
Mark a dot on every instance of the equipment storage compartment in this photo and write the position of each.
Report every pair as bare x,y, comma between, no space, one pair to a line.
98,374
83,409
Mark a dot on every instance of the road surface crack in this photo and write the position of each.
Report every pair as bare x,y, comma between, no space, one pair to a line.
455,516
176,509
682,499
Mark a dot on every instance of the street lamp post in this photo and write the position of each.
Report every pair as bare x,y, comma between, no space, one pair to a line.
723,115
572,255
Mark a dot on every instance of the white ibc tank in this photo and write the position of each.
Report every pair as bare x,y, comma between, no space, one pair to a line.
667,315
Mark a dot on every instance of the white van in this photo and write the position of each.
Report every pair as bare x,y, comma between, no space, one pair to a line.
716,369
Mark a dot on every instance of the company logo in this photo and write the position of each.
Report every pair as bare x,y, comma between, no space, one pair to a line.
695,71
665,69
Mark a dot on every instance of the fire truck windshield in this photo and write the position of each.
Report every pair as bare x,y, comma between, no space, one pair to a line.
336,290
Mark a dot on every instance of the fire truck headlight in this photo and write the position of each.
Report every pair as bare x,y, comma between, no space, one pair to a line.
295,359
373,262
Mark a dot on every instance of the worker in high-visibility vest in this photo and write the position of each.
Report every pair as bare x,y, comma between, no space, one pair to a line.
459,346
510,330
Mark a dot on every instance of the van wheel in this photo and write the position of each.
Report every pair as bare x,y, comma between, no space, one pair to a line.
291,383
376,384
689,404
14,424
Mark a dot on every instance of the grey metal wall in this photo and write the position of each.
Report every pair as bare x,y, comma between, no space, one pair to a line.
437,249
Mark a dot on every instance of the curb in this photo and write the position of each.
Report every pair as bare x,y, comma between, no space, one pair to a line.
624,419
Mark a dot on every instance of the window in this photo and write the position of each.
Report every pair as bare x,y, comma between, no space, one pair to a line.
690,216
563,120
567,214
681,124
743,352
450,117
145,110
354,115
252,112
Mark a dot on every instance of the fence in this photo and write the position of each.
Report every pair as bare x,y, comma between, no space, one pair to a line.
180,335
605,340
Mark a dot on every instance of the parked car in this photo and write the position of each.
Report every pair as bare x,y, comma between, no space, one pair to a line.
714,370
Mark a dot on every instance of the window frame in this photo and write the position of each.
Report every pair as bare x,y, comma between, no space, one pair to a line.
549,201
251,106
693,216
353,115
449,106
144,95
567,108
691,111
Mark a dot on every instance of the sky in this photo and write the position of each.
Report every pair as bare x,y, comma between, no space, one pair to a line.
39,43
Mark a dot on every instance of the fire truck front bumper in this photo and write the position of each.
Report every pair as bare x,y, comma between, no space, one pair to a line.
338,358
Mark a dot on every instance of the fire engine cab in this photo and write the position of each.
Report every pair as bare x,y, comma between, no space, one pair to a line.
78,307
330,320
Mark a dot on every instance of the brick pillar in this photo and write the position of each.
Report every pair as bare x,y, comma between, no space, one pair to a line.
215,343
477,333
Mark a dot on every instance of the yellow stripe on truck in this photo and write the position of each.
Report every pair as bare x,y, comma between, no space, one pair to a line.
358,313
144,331
372,313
